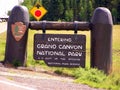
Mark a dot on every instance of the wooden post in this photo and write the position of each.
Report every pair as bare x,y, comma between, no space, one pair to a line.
101,40
17,33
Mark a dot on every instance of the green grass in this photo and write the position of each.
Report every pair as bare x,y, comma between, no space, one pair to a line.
2,45
91,77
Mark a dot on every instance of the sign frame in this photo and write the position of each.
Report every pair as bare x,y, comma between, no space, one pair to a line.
61,50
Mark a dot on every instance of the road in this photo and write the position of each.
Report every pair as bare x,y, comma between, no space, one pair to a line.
37,80
6,84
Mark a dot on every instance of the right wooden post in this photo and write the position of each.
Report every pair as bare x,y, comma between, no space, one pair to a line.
101,40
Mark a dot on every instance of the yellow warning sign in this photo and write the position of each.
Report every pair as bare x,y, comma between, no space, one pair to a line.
38,11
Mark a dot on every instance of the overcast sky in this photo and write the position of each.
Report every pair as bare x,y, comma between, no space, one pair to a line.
6,5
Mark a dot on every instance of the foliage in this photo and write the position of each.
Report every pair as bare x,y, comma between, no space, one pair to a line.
97,79
67,10
92,77
16,63
71,10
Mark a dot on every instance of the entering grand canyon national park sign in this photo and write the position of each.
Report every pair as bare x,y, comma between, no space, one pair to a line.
60,49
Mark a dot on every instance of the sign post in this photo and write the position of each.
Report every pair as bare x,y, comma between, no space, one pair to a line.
17,34
101,40
60,50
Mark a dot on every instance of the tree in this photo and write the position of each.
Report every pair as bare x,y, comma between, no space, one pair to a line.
89,10
83,10
70,10
68,7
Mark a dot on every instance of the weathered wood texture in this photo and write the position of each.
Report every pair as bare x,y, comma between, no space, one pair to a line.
49,25
16,50
101,40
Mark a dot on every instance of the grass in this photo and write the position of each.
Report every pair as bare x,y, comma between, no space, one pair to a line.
116,49
91,77
2,45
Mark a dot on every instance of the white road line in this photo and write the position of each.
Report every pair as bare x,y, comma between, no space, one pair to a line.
16,85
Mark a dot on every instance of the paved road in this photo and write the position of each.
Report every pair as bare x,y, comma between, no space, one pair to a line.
6,84
3,27
38,81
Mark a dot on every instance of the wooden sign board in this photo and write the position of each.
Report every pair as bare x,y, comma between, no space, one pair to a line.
60,49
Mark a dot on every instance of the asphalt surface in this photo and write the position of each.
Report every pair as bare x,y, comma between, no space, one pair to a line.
15,79
6,84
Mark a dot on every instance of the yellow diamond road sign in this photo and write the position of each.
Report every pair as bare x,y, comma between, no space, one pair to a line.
38,11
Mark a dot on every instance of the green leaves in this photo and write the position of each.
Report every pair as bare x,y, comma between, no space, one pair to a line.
70,10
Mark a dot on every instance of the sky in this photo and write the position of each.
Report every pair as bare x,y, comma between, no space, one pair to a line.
6,5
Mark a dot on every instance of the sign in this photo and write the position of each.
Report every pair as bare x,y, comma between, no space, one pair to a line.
18,30
38,11
60,49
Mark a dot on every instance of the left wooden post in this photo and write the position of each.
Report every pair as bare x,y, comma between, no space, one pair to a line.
17,34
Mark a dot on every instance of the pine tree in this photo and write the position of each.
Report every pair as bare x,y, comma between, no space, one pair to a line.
89,10
82,12
70,10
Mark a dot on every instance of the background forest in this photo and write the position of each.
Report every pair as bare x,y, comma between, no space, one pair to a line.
71,10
